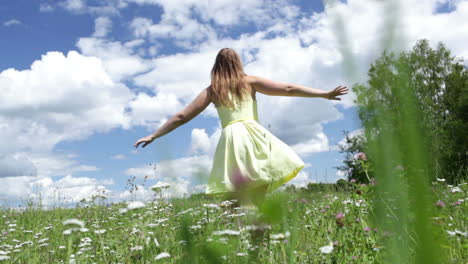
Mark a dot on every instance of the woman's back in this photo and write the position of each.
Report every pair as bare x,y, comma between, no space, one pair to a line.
243,110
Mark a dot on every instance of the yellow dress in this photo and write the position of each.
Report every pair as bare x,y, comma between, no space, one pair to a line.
248,155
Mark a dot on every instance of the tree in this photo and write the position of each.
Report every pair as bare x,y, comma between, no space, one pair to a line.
439,84
353,161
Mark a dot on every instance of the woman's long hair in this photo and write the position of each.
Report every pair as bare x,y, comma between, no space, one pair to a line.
227,76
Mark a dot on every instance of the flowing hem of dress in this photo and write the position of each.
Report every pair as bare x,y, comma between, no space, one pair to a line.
276,184
271,186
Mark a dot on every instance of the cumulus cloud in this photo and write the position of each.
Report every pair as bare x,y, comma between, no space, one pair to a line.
67,190
36,103
181,174
102,26
16,165
301,180
119,60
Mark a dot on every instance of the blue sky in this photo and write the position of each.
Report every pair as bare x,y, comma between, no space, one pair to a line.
82,80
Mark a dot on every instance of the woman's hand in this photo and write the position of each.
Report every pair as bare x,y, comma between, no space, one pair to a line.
338,91
145,140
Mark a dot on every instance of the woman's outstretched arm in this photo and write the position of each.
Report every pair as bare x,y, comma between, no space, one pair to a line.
270,87
192,110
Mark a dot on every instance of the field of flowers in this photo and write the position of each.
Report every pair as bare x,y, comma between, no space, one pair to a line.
293,226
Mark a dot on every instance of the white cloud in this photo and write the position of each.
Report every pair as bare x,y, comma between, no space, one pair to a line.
46,8
119,157
181,174
152,110
119,60
102,26
103,7
200,142
67,190
51,103
342,142
12,22
74,5
301,180
16,165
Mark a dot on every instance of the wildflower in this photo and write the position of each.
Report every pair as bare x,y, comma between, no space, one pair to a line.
135,205
347,201
339,215
136,248
367,229
353,180
4,257
440,204
43,240
159,186
162,255
440,180
340,219
327,249
242,254
455,189
213,206
361,156
102,231
239,180
156,242
457,202
257,227
226,232
336,243
280,236
74,221
457,232
358,220
227,203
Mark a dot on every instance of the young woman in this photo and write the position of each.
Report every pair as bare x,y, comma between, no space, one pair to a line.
249,161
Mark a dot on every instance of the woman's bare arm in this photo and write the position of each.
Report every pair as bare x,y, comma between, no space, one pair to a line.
192,110
270,87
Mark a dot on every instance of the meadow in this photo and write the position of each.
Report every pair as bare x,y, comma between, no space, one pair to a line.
324,223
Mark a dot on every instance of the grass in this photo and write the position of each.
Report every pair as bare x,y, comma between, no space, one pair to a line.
293,226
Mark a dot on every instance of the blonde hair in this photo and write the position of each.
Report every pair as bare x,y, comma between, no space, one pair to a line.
227,76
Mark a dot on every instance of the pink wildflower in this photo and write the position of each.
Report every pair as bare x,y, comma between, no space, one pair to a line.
440,204
238,180
367,229
361,156
340,219
339,215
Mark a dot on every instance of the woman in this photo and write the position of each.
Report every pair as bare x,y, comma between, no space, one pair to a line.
249,161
